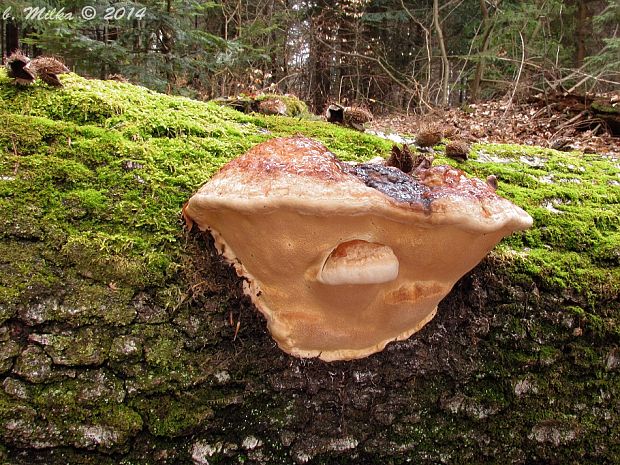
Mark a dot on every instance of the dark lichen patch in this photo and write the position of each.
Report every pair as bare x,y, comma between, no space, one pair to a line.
150,310
173,416
34,365
80,347
86,390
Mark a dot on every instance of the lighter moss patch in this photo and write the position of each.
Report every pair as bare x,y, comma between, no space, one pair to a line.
574,199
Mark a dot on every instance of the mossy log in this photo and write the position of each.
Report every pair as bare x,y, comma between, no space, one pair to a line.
268,104
125,340
609,113
587,111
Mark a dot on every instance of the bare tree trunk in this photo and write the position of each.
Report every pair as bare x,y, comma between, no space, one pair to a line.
12,37
2,40
486,39
320,61
581,18
444,55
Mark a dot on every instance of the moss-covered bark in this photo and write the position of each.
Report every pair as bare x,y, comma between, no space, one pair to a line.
117,329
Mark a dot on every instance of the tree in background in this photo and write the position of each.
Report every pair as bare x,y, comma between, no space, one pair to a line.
387,54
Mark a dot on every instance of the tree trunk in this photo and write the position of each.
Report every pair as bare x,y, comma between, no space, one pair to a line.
487,28
581,20
320,58
12,37
3,53
445,78
125,340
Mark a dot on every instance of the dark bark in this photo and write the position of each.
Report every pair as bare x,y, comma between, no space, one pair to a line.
583,28
12,37
502,371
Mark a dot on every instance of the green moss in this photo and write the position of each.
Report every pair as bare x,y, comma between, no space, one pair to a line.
98,171
172,416
95,303
121,419
24,266
168,365
574,199
603,106
294,106
164,352
80,347
547,355
346,143
116,258
86,201
247,104
96,174
89,390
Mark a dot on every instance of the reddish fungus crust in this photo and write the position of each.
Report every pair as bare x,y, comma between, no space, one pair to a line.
305,158
394,183
419,189
345,248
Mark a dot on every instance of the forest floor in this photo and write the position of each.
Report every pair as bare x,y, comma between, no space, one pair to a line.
534,123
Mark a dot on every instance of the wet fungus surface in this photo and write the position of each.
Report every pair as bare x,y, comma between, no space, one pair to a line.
342,259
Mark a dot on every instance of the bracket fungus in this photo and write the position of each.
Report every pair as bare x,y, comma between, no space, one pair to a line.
342,259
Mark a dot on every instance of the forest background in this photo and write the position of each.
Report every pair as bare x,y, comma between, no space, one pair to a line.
387,55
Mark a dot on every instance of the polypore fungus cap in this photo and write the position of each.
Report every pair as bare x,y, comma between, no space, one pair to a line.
343,259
